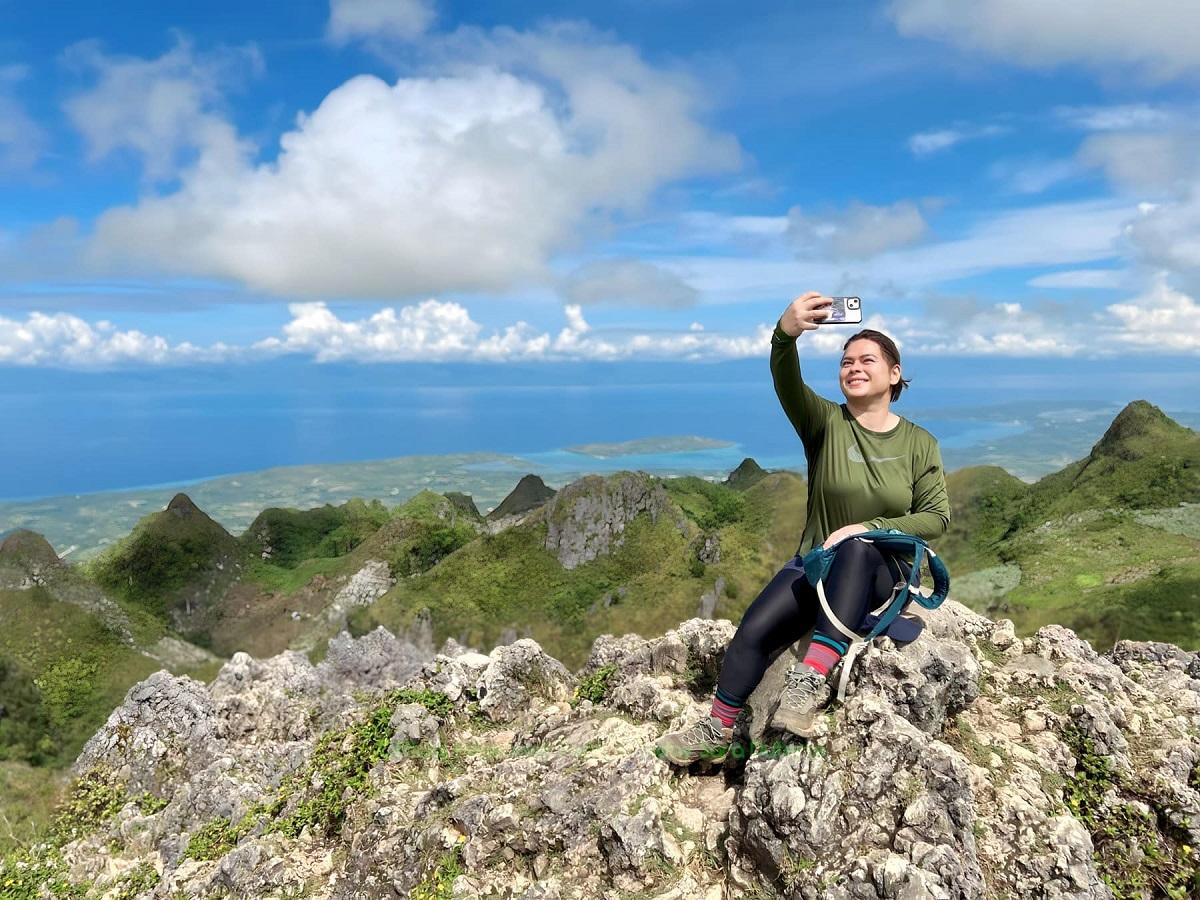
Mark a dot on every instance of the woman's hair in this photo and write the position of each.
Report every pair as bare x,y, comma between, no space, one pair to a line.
888,346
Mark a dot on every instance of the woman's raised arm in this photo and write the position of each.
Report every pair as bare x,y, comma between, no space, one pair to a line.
806,410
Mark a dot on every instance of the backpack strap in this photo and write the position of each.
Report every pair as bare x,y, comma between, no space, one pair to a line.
816,565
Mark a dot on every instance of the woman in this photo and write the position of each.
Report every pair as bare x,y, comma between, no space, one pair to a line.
867,469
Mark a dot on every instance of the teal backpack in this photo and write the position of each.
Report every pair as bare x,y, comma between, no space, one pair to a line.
889,618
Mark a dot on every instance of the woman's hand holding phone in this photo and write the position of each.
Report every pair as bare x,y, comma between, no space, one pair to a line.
805,313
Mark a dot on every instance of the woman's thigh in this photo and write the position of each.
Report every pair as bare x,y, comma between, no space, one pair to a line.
782,613
860,578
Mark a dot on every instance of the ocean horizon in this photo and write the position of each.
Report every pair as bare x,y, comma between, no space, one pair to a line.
88,433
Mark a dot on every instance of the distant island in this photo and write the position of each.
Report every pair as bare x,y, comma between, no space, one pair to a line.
681,444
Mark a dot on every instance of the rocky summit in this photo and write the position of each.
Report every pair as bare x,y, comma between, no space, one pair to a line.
969,764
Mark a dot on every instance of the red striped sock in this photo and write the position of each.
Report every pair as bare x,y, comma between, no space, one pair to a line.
724,711
821,657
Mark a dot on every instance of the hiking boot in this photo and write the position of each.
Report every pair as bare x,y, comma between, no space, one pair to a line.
707,740
805,691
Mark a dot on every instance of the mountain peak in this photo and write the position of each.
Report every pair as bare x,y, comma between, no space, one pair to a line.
24,545
181,504
530,493
1138,428
747,473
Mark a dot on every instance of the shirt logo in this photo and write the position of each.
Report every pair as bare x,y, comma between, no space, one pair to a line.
855,455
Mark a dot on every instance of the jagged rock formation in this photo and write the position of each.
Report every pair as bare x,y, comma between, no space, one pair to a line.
970,764
588,517
365,586
747,474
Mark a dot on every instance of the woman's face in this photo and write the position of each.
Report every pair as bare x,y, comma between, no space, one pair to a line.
865,373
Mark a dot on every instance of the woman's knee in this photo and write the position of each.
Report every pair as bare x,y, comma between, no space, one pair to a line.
856,551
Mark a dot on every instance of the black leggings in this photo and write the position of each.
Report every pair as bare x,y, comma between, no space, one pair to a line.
860,578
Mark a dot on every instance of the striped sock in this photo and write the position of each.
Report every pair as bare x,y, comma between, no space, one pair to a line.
724,710
824,652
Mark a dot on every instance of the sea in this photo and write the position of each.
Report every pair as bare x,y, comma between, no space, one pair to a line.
73,432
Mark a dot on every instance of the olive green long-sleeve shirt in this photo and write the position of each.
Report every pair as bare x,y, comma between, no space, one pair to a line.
881,479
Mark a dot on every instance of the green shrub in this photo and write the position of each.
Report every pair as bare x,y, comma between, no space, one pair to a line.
427,547
67,687
595,687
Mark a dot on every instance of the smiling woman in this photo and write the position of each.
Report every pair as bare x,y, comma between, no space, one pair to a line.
868,469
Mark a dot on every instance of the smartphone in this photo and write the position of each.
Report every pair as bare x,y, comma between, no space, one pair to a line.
844,311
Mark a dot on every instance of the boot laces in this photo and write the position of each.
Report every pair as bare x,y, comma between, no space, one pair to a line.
803,684
705,730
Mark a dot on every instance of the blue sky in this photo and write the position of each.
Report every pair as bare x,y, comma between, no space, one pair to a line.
391,180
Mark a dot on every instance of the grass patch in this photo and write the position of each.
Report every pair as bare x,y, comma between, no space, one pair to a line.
26,873
62,671
439,883
1107,577
288,580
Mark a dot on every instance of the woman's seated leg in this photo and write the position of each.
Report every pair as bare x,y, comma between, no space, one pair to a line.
858,579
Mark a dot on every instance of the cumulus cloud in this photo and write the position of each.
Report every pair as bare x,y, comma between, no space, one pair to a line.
1161,318
926,142
64,340
1167,236
859,231
373,19
163,109
21,139
1161,38
443,331
969,327
467,181
628,282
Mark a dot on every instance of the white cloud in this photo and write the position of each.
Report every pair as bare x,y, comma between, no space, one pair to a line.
627,282
162,109
1118,117
1167,236
964,326
443,331
1161,318
1081,278
1052,234
466,181
1032,176
860,230
64,340
1159,37
372,19
21,139
1144,161
927,142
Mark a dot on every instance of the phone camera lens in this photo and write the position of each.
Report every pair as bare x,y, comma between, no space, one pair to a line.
852,303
